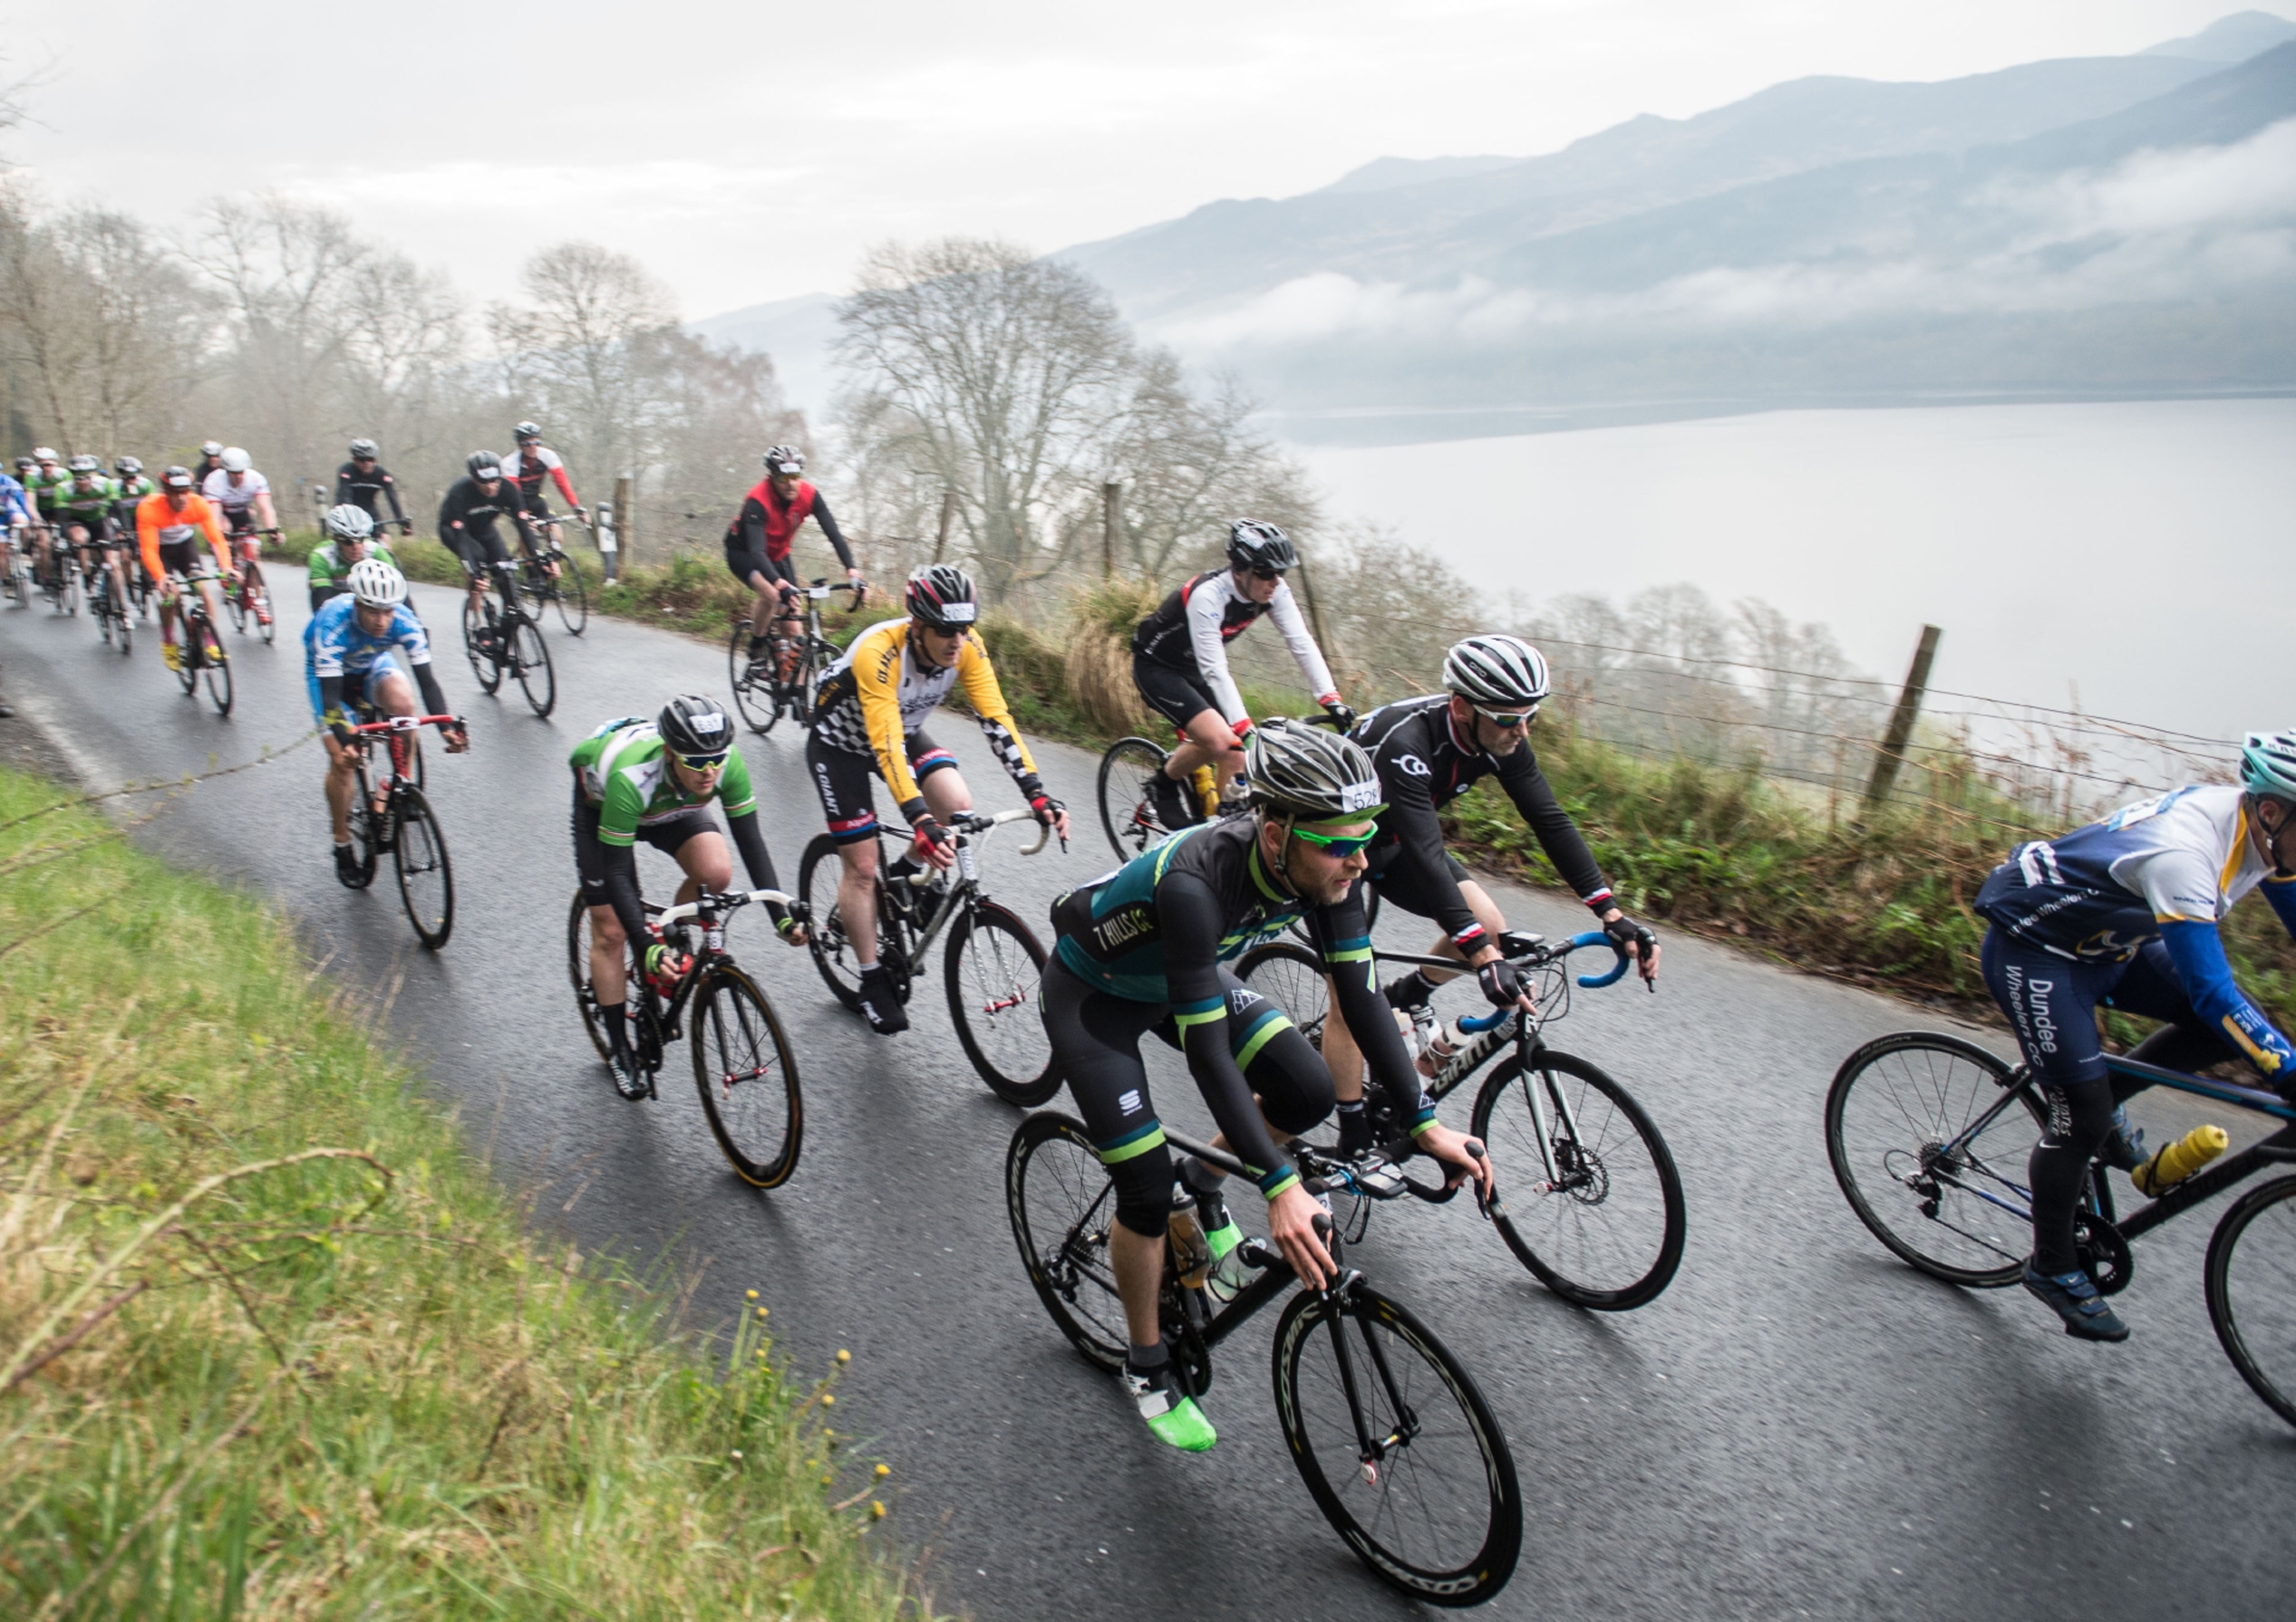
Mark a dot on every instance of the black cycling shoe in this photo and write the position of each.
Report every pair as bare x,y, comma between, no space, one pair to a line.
881,1004
347,868
624,1069
1165,798
2074,1296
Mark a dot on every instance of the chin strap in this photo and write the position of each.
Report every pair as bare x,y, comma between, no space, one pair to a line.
1283,855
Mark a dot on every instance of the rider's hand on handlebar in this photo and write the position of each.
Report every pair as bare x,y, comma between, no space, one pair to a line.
1463,1156
1503,986
458,739
1641,944
1243,727
860,587
1292,1217
666,966
1342,716
930,842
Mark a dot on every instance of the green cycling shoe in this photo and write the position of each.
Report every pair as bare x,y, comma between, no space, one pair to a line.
1172,1415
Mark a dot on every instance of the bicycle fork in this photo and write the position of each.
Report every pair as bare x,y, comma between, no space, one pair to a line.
1557,1180
1370,1452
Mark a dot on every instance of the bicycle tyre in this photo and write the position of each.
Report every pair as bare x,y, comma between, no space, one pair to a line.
1601,1165
819,872
1480,1555
732,1028
992,957
754,700
124,623
1291,977
217,673
234,604
258,599
820,655
426,875
1062,1206
1928,1211
577,970
1126,816
192,635
489,673
576,617
2256,1324
366,844
530,653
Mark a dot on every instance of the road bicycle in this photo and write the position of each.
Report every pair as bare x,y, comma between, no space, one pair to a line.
200,656
762,691
510,639
390,813
113,617
565,589
743,1063
1602,1219
18,579
1928,1137
245,595
1389,1430
60,581
992,966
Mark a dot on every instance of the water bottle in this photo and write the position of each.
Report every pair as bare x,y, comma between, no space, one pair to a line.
1190,1252
1207,790
1441,1048
2179,1161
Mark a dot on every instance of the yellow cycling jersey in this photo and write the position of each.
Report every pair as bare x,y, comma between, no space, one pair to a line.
875,697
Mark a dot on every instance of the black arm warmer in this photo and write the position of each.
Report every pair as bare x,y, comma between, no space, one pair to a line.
750,839
1191,918
434,698
1424,863
622,893
1558,836
829,528
1344,941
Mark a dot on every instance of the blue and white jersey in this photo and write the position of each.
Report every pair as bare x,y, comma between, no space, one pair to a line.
333,645
14,509
2165,868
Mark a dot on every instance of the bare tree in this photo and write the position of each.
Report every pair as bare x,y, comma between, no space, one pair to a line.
572,355
402,344
1192,464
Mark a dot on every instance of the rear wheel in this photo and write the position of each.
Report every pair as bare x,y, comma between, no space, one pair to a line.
2252,1288
1126,815
489,673
530,658
1062,1209
1398,1446
258,598
753,695
817,876
366,841
1290,977
573,597
234,604
426,879
994,966
748,1077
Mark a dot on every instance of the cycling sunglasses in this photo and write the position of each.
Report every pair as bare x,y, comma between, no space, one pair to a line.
703,763
1506,719
1340,845
1268,574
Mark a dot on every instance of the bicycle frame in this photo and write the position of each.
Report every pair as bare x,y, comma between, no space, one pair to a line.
660,1025
964,888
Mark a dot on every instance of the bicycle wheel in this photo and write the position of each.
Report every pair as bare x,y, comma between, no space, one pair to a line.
753,695
489,673
1958,1214
426,879
530,658
1607,1233
188,653
216,672
123,623
234,604
577,970
258,602
1063,1206
366,840
2252,1288
748,1077
1126,814
993,966
1290,977
571,596
1433,1505
817,876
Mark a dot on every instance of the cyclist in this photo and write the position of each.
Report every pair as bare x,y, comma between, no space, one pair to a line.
1144,949
1179,660
243,496
1430,751
757,547
17,519
466,524
2125,913
359,652
132,486
83,511
870,717
365,483
527,467
210,461
41,484
635,779
347,539
168,530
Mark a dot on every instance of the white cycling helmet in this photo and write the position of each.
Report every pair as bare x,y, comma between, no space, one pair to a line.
236,461
349,522
376,584
1497,672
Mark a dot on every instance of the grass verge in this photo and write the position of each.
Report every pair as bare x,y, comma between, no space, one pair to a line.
274,1344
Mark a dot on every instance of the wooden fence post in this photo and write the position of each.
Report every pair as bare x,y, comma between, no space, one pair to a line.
1316,617
626,523
1892,753
1110,522
948,518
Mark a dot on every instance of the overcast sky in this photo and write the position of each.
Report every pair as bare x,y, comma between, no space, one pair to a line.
747,151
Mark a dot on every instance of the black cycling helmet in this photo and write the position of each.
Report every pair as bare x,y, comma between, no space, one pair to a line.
1503,673
1252,545
363,450
942,596
1310,774
128,467
692,725
785,459
525,432
483,465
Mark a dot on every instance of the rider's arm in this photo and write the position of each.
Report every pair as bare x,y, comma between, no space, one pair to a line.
1420,859
2183,888
978,676
751,523
1203,611
1344,939
414,644
147,535
1189,916
390,489
342,485
829,528
739,802
1558,836
434,697
1283,608
217,543
622,892
565,485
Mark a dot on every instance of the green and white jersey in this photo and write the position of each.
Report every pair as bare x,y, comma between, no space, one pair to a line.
328,569
83,504
45,487
624,770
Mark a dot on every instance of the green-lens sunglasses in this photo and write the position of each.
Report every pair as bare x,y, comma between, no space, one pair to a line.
1341,845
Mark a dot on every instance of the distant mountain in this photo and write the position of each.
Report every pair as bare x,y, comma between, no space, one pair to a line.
2230,39
1382,174
797,332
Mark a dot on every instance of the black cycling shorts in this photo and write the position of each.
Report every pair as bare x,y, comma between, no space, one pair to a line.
668,836
182,557
538,509
746,562
1402,885
1096,1047
1175,694
842,778
479,550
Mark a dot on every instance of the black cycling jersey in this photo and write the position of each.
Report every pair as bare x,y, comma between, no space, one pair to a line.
469,514
1424,765
367,490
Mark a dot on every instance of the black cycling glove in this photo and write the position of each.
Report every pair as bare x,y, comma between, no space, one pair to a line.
1500,983
1627,933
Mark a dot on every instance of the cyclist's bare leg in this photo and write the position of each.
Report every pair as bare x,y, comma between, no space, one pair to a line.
1206,738
856,897
946,797
1342,1056
708,866
607,981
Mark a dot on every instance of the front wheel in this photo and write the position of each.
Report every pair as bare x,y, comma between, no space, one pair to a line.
994,966
1126,815
426,879
234,604
573,597
748,1079
752,681
483,667
217,675
2251,1267
1063,1208
1928,1143
1598,1216
1290,977
577,970
1398,1446
530,658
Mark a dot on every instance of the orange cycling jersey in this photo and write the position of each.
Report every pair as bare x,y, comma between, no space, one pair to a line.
158,522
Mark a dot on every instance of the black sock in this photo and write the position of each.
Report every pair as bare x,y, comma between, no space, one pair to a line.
1354,1127
616,1018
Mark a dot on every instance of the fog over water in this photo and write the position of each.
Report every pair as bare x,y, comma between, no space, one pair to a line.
2138,550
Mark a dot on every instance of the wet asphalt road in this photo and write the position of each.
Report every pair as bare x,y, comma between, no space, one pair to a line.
1800,1426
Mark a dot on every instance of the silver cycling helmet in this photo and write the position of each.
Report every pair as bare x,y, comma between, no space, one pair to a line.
1252,545
785,459
376,584
2267,764
1494,672
365,450
349,522
1310,774
236,461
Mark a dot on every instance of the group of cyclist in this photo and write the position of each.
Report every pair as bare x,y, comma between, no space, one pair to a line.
2122,914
